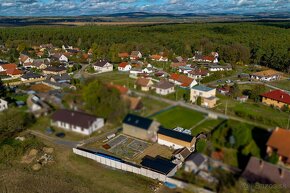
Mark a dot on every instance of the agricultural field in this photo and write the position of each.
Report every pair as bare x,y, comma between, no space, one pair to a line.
179,117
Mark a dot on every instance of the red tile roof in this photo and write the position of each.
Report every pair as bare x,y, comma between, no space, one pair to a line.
14,71
123,64
280,141
9,66
201,72
121,89
210,58
184,80
278,95
123,55
155,57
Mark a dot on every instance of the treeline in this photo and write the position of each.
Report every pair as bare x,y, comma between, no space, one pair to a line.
237,43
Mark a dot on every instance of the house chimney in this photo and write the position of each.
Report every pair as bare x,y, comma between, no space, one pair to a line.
282,96
281,172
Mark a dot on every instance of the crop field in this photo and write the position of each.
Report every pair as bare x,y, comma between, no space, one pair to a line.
179,117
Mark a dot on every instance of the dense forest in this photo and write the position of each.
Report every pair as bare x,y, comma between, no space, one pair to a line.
237,43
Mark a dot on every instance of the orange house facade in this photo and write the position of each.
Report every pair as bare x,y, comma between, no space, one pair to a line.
277,98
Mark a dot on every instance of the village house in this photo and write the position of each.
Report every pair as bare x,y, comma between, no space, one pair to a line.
243,98
277,98
177,64
10,70
56,70
216,68
40,63
31,76
75,121
60,57
180,155
134,72
196,162
175,139
185,69
266,75
164,87
279,143
198,74
144,84
124,67
158,58
3,105
207,95
182,80
135,102
259,171
135,55
36,106
59,78
140,127
102,66
25,60
148,70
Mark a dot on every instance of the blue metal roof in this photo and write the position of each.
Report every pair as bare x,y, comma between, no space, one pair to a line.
202,88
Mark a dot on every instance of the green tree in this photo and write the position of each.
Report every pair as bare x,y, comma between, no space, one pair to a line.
257,91
198,100
3,89
103,101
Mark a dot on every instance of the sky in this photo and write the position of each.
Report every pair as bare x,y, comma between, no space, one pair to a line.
92,7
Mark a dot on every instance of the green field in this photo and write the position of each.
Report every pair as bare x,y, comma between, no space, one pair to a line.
179,117
282,84
253,111
206,126
116,78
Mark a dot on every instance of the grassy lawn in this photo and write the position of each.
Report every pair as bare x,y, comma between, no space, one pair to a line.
254,111
151,106
179,116
206,126
71,173
116,77
283,84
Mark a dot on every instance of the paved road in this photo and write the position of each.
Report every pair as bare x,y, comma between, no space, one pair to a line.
79,73
199,109
58,141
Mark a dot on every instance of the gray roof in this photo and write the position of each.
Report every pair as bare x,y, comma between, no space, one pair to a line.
260,171
101,63
164,85
31,75
202,88
196,158
81,119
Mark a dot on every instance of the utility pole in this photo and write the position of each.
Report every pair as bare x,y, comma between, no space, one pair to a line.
226,109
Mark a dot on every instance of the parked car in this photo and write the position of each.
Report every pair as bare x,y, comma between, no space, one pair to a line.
60,135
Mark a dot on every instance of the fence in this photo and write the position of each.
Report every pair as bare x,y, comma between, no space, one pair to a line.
120,164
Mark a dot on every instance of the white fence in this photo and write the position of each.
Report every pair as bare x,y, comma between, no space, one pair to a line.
129,167
120,164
